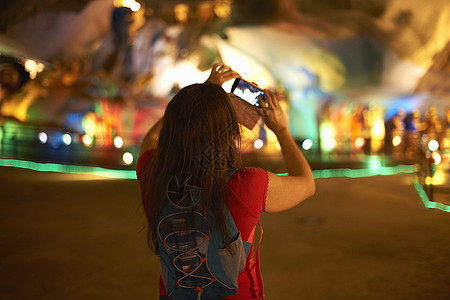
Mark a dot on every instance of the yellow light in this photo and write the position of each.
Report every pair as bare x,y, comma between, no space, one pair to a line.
131,4
127,158
118,142
396,141
135,6
446,143
127,3
360,142
86,140
33,67
428,180
223,9
277,145
378,131
439,177
271,137
181,12
436,157
89,123
30,65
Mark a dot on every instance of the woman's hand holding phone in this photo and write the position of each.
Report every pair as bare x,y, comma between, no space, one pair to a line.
221,73
273,114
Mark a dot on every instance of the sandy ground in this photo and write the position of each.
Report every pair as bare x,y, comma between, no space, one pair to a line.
83,237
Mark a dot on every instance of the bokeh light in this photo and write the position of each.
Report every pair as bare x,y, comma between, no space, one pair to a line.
67,139
307,144
33,67
42,136
433,145
436,157
397,140
258,144
127,158
131,4
118,142
86,140
360,142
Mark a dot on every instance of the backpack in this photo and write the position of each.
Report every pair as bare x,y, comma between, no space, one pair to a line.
195,261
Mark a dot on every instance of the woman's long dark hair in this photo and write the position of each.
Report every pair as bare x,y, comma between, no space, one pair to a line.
198,144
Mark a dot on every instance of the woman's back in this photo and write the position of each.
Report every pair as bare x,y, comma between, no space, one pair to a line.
198,137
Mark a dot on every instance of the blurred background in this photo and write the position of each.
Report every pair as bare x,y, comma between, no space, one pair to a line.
365,84
82,81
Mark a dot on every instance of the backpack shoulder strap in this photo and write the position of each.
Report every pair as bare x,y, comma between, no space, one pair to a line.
231,172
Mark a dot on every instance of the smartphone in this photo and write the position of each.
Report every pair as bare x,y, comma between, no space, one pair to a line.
247,91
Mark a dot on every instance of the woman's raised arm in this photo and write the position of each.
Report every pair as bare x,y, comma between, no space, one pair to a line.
285,192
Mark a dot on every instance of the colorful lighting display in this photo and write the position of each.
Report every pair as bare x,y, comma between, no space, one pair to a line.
334,113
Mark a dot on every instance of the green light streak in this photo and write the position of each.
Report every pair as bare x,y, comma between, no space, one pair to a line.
318,174
131,174
358,173
426,201
51,167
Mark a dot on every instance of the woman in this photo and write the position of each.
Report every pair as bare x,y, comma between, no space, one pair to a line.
198,135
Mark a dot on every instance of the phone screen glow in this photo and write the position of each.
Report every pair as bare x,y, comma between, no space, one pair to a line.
248,92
